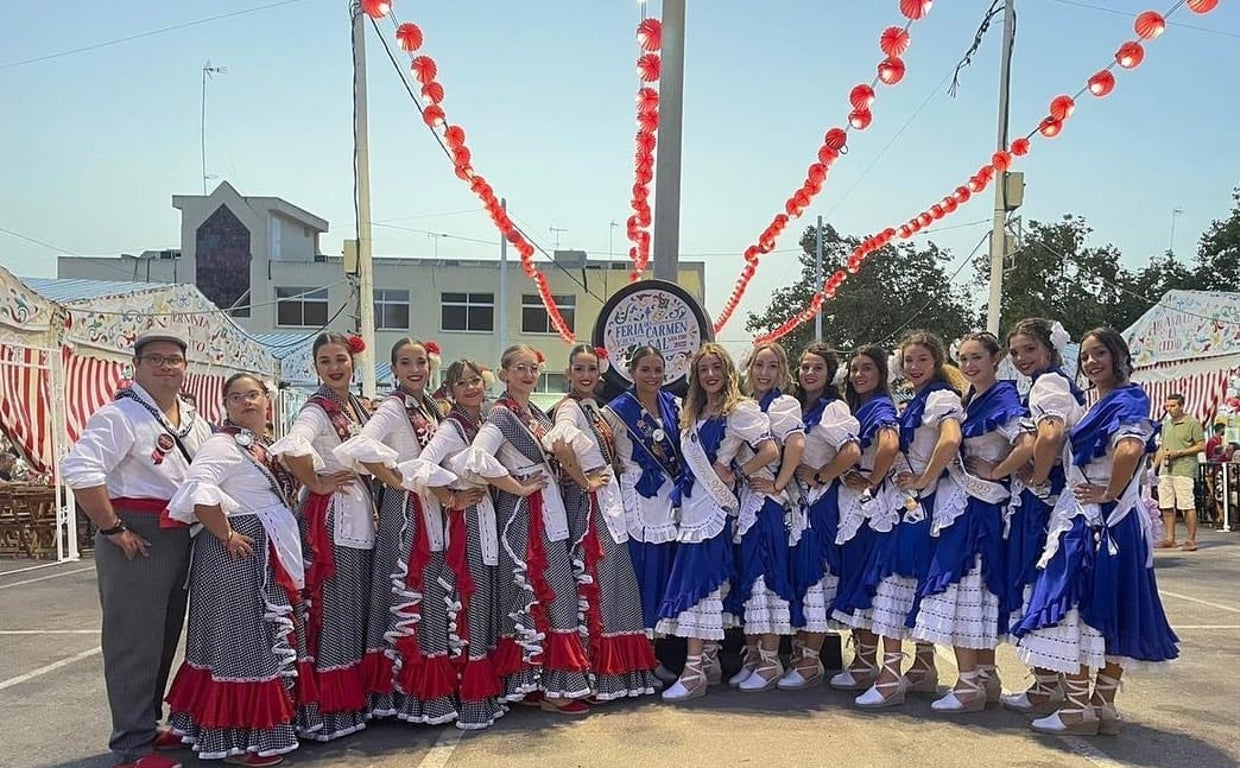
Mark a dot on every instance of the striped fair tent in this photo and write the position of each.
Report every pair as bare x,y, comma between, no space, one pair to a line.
1189,344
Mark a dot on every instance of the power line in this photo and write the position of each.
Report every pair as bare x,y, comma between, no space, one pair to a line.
37,241
141,35
951,279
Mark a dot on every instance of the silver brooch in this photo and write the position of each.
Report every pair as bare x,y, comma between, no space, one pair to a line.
244,439
659,435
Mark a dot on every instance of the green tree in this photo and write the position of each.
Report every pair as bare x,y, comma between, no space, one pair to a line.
898,287
1218,252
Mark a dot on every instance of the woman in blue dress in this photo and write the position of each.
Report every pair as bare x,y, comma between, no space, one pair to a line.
864,497
929,440
959,599
1095,603
645,421
715,418
831,449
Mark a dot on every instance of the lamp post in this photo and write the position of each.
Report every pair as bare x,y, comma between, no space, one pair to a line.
209,71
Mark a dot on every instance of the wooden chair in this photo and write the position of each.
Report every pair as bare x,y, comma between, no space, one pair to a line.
10,529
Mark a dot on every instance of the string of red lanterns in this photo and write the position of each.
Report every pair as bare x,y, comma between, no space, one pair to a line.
894,43
649,68
1148,25
425,70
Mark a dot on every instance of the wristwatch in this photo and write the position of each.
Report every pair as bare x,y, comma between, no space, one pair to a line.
118,528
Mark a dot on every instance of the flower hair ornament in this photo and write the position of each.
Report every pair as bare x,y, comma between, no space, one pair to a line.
1059,337
356,344
433,353
953,350
488,377
539,357
603,363
841,376
895,367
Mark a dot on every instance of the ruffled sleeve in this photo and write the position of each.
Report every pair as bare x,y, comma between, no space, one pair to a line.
785,417
1139,429
570,426
942,404
838,426
215,463
478,462
373,444
300,438
1050,397
747,425
428,471
105,441
1013,428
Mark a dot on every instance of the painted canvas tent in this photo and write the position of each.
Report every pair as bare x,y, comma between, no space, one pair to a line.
1187,343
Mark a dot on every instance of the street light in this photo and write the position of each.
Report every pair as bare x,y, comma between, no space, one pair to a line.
1176,211
208,71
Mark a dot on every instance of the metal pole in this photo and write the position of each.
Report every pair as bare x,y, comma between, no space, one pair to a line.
1171,245
998,238
361,168
666,248
818,279
202,139
502,304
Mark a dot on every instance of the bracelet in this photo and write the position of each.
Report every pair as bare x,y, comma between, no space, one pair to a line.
118,527
818,478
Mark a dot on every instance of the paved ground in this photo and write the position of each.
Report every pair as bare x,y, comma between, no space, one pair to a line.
53,711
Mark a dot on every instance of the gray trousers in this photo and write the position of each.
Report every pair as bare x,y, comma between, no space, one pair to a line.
143,603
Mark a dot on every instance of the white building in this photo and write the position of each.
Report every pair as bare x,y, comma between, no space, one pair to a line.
260,257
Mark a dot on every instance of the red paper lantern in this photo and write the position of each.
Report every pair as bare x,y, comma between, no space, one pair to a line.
1202,6
860,119
835,138
977,183
409,36
648,67
465,172
433,92
915,9
376,9
1102,83
433,116
937,212
1050,127
894,41
1130,55
891,70
1020,147
925,219
949,204
963,194
828,155
424,69
914,225
1062,107
861,96
905,232
646,141
1001,161
802,198
790,206
816,173
650,34
647,99
454,136
648,121
643,175
1149,25
779,222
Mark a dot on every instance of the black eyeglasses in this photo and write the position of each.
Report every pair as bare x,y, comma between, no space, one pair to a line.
161,361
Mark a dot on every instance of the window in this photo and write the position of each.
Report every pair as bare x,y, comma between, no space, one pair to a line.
306,307
552,384
467,312
391,309
534,318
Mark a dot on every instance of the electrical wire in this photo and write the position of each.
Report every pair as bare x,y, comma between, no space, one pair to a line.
950,279
141,35
1129,14
37,241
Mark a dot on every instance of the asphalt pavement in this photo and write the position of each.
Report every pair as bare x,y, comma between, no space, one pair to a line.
53,712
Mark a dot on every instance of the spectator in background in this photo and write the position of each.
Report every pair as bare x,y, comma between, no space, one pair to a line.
1182,439
1216,450
8,462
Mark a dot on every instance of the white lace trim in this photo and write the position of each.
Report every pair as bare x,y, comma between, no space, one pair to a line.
950,502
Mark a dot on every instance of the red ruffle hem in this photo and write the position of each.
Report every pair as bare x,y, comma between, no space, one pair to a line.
457,559
506,659
427,677
562,651
480,680
322,564
305,689
615,654
377,672
256,705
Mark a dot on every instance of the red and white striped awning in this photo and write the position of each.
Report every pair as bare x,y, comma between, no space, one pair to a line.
1203,390
89,383
25,388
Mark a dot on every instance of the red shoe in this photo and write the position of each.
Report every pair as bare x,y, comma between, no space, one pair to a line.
254,760
165,740
531,699
151,761
569,707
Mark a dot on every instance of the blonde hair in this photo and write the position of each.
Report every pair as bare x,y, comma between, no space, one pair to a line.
784,384
695,398
510,354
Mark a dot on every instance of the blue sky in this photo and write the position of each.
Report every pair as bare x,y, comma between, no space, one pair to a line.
93,145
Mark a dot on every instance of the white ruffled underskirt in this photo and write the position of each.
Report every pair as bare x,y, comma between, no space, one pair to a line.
965,615
704,621
815,603
893,600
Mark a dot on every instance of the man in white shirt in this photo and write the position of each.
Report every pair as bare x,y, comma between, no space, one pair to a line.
130,460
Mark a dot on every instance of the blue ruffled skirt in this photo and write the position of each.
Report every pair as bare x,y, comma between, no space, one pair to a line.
698,570
763,551
1023,547
652,564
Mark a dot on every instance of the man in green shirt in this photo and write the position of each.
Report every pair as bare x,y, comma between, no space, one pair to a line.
1176,461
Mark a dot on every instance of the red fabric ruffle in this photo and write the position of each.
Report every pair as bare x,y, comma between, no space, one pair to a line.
322,563
340,690
565,653
427,678
536,570
377,672
457,560
306,688
212,703
593,554
507,658
420,547
479,680
622,654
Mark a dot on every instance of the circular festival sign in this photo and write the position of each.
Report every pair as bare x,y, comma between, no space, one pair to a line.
654,312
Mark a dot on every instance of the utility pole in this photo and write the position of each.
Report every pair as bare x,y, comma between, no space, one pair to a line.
818,279
666,247
502,304
998,235
1176,211
208,73
361,170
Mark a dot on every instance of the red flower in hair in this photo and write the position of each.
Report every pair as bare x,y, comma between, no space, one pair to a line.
356,344
600,353
539,356
431,347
